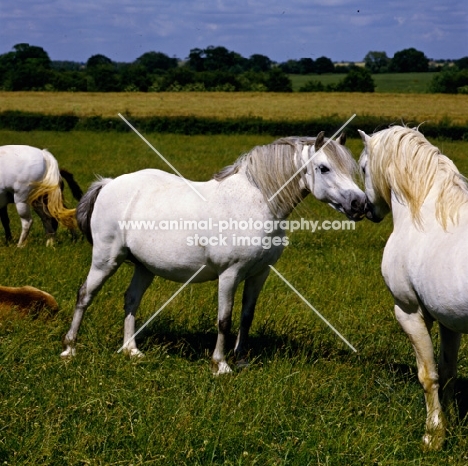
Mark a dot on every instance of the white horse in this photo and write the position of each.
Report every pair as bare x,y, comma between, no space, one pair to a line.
235,232
425,261
31,177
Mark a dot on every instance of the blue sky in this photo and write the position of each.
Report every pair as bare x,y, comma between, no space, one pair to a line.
343,30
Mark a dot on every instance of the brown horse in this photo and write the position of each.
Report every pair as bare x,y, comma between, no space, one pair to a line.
26,300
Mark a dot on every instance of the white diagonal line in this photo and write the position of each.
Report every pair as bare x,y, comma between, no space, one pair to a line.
162,307
315,310
160,155
308,161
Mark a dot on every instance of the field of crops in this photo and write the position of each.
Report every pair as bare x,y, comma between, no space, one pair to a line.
411,108
305,399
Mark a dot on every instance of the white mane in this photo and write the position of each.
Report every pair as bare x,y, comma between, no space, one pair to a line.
403,161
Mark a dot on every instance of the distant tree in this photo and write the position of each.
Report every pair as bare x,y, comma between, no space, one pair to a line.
216,59
259,63
103,75
134,76
66,65
196,59
278,81
26,68
409,61
25,53
290,67
324,65
156,61
306,66
450,81
73,81
462,63
98,60
357,80
377,62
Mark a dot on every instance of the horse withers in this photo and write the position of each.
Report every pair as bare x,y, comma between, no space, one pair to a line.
248,199
425,262
30,177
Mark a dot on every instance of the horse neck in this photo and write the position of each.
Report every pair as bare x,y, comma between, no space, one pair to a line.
282,194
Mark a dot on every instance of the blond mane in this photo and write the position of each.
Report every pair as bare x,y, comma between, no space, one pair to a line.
270,166
403,161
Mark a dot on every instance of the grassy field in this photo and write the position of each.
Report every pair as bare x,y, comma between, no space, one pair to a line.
411,108
406,83
306,397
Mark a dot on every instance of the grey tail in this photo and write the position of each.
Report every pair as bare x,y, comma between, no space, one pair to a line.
85,207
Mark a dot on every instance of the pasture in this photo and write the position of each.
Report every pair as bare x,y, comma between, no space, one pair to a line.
305,399
406,83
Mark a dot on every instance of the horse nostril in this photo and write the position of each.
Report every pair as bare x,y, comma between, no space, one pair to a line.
354,204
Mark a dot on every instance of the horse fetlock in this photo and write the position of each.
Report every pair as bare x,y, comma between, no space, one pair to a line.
220,367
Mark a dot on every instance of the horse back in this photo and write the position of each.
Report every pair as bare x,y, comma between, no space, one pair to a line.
20,166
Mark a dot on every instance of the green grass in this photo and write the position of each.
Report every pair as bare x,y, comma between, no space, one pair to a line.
306,397
406,83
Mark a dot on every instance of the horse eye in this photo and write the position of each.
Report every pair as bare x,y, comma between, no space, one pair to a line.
323,169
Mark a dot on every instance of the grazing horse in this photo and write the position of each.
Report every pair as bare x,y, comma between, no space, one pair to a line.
31,177
425,261
226,229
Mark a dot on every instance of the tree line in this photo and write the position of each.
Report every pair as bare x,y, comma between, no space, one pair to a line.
28,67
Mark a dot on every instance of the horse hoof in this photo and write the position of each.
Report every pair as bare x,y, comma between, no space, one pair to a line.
134,353
242,363
220,368
68,353
433,441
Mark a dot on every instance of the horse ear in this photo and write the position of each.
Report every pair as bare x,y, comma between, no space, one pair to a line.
319,141
365,138
341,139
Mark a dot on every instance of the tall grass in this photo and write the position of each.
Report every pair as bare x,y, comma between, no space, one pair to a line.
305,399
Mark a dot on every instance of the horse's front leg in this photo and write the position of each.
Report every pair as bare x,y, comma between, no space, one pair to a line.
418,330
227,286
26,221
252,288
449,346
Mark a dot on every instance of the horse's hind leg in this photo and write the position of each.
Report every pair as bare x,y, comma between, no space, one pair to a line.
252,288
449,346
418,330
50,224
26,221
98,274
141,280
5,222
